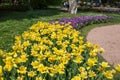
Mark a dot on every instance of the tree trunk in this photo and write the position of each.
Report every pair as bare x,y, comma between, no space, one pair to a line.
72,6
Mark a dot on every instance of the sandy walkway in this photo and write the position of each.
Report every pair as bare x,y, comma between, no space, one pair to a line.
108,37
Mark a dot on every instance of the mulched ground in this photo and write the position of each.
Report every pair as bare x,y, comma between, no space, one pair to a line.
108,37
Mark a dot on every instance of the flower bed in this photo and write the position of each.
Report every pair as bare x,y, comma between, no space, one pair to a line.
79,22
110,9
53,52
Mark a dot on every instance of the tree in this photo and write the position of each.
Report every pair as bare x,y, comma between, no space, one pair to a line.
72,6
0,1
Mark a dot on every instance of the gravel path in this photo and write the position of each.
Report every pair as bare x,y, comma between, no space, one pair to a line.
108,37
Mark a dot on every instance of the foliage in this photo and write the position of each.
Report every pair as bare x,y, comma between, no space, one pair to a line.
54,2
25,4
38,4
51,51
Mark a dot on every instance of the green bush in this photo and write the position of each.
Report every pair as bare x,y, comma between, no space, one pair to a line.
38,4
54,2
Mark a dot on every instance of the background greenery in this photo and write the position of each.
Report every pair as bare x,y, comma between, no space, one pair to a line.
23,5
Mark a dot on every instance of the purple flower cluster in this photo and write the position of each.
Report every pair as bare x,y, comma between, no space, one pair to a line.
83,20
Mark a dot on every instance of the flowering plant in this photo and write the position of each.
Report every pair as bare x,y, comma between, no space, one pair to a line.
79,22
53,52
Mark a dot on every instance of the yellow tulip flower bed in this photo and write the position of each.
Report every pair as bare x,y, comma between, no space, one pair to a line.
53,52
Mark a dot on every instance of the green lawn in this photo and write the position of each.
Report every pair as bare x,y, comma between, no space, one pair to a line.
15,23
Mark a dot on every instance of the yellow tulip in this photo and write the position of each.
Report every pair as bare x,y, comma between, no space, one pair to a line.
118,67
31,74
108,74
1,70
22,70
91,74
104,64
